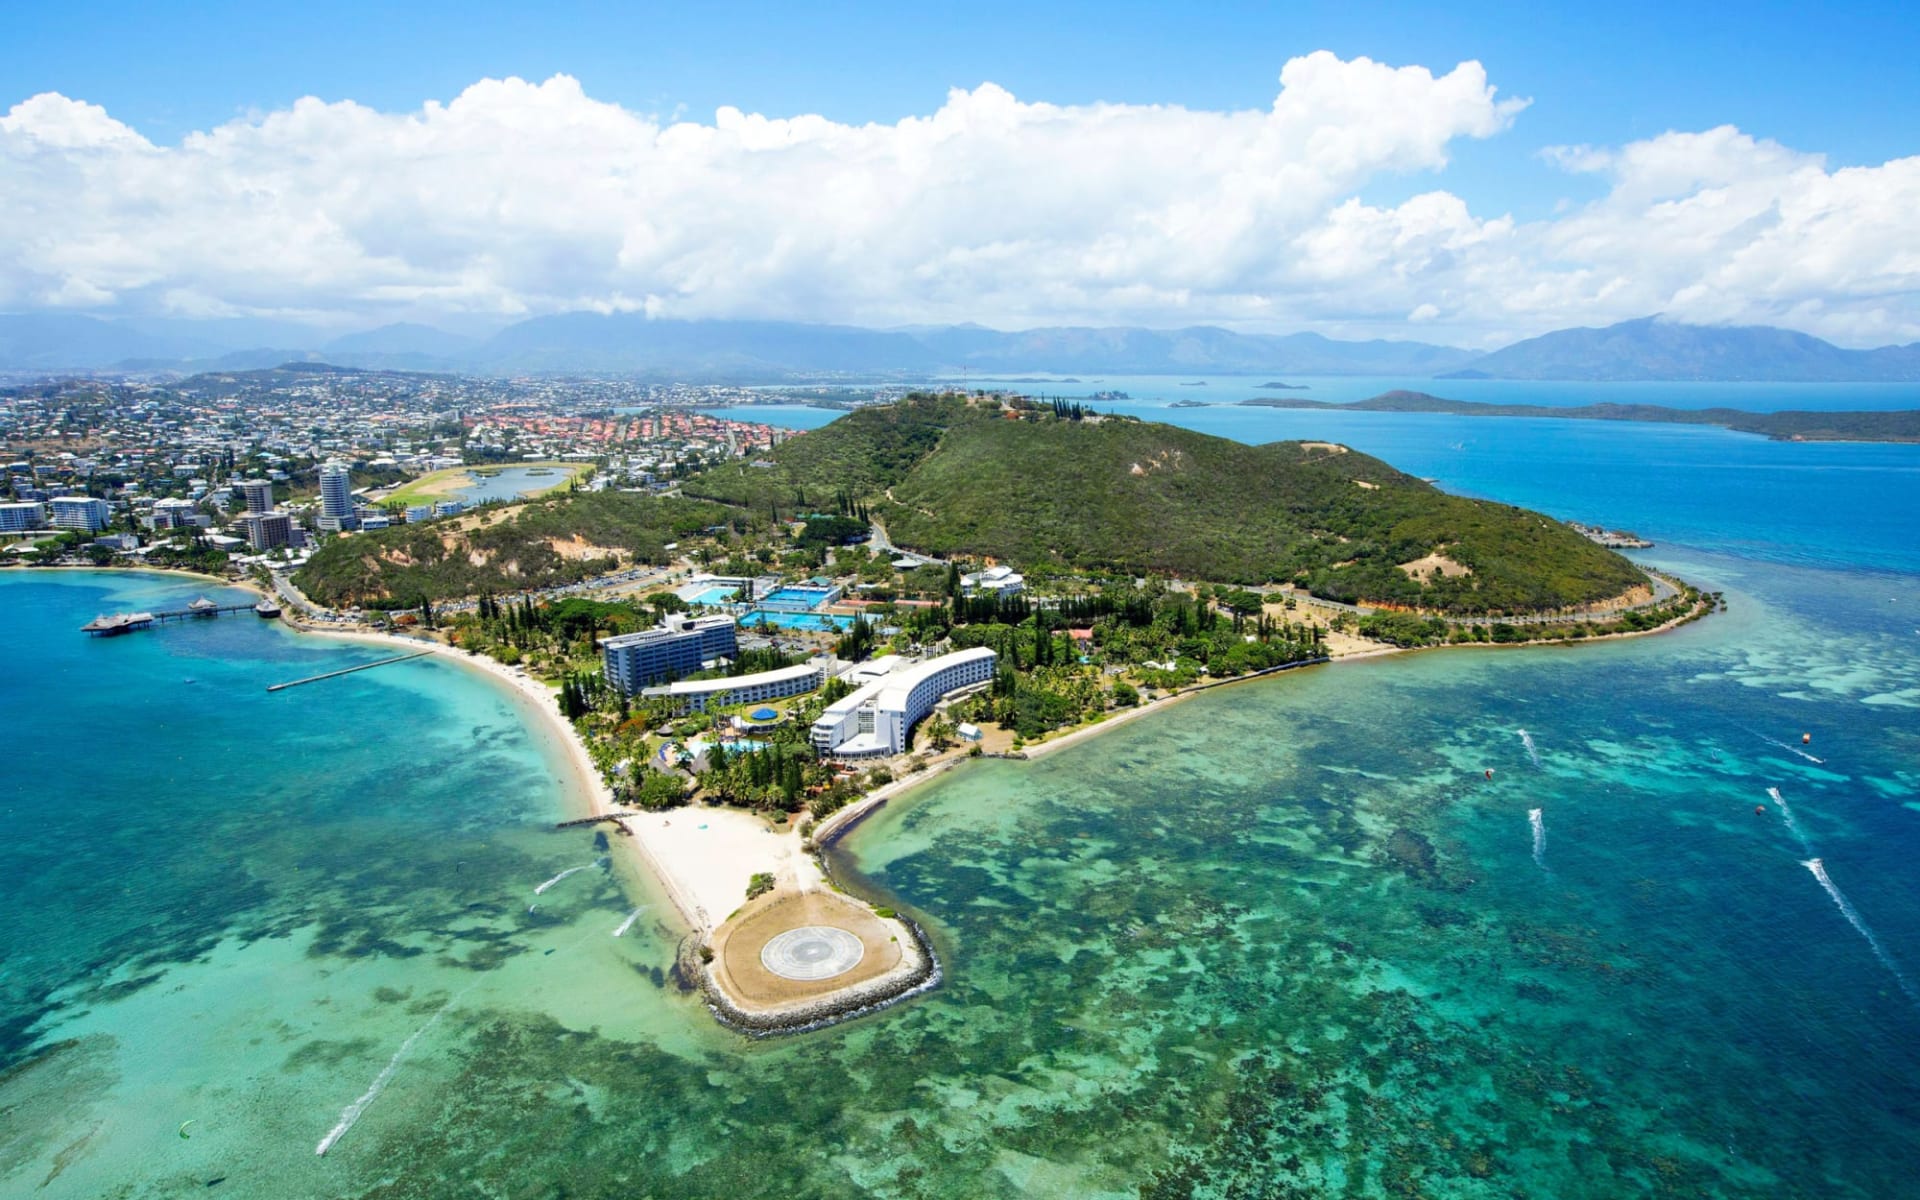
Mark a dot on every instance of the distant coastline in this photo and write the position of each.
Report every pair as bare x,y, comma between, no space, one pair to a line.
1788,426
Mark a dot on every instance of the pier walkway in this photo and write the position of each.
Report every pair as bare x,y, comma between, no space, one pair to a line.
281,687
128,622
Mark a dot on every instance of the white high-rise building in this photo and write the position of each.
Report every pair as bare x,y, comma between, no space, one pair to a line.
24,514
89,513
336,497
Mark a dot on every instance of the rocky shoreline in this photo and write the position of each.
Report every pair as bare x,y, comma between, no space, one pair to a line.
919,972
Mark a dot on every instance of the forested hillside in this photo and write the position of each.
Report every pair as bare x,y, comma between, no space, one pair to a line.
1034,486
537,544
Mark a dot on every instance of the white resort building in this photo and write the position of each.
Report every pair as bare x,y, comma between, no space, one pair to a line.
998,581
695,694
877,720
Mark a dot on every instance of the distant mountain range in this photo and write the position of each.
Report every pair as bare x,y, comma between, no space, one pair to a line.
1655,349
766,351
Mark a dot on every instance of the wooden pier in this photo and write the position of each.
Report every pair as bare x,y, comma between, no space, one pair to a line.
120,623
281,687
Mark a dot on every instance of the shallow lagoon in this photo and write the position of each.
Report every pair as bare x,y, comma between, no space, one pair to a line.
1284,939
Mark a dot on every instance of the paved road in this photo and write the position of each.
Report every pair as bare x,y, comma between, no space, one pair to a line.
878,540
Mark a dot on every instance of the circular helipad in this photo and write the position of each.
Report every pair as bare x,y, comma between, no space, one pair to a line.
812,952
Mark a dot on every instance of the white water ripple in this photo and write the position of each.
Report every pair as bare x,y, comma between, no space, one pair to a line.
1786,814
1860,926
351,1114
569,871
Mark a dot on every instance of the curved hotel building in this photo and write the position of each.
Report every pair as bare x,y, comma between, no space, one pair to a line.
696,694
878,720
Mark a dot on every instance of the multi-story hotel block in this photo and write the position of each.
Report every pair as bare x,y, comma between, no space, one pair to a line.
696,694
877,720
680,646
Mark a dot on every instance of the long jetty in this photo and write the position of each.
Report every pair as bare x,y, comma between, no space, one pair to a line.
281,687
129,622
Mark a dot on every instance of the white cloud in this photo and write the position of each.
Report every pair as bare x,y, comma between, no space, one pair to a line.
518,198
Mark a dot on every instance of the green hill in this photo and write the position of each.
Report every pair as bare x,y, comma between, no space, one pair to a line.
861,454
537,544
1127,496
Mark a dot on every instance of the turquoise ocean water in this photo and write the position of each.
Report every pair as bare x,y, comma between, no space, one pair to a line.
1285,939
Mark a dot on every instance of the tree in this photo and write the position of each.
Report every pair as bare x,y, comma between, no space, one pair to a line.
655,790
940,731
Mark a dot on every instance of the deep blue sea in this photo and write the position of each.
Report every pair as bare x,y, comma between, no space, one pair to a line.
1285,939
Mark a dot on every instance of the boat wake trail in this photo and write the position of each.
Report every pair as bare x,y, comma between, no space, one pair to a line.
351,1113
1853,918
1786,814
1527,739
1536,818
598,862
1795,749
628,923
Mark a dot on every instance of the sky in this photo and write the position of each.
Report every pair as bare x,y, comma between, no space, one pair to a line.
1468,173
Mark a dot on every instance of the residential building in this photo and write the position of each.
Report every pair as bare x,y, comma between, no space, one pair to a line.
258,493
877,720
336,497
419,512
171,512
88,513
694,695
268,530
680,646
22,515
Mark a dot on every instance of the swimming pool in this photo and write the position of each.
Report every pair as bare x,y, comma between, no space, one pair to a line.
795,620
800,599
714,595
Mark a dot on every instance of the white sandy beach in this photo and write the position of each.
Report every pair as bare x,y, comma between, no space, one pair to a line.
701,857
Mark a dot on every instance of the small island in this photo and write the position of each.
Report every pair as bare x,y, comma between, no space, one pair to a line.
1787,426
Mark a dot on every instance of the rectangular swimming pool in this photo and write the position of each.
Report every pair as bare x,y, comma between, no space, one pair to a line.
799,599
795,620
